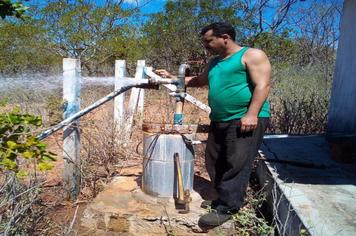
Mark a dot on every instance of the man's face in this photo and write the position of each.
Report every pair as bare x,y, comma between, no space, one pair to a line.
214,44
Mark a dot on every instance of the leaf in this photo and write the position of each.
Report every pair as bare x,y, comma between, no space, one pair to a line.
11,144
31,141
41,145
49,158
43,166
9,164
21,174
28,154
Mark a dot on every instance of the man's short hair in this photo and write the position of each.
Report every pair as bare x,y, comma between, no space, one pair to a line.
220,28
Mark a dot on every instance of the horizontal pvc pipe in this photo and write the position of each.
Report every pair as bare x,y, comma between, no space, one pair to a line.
127,84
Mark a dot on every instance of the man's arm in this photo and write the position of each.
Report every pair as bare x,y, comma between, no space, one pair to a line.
259,69
198,81
190,81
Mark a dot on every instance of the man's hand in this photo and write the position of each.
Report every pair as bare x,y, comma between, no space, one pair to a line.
248,123
163,73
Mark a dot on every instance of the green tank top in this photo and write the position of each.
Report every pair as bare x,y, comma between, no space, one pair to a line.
230,89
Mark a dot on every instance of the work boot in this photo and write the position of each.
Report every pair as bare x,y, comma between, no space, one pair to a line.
208,204
214,218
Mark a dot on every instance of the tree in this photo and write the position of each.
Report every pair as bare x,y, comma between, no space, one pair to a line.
173,34
93,33
24,48
316,32
280,48
7,8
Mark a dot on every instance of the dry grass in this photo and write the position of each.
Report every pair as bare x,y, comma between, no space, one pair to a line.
102,156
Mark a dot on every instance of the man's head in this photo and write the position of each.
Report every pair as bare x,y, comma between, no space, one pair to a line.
218,36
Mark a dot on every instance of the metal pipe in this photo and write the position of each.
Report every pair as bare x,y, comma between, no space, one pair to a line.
178,115
158,79
173,88
181,76
126,85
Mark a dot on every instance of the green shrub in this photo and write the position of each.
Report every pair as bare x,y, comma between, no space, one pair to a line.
299,101
249,221
18,143
19,186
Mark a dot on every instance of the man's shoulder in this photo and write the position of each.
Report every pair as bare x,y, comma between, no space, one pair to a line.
254,55
254,52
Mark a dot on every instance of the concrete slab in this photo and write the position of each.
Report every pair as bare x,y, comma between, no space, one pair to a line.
306,188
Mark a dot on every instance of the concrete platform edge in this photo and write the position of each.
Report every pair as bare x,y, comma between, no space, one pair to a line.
285,217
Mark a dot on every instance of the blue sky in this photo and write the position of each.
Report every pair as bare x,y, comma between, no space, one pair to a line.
148,6
153,6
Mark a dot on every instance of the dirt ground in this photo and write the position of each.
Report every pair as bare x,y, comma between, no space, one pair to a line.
159,108
111,169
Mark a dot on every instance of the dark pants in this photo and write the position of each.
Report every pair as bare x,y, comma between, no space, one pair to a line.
229,157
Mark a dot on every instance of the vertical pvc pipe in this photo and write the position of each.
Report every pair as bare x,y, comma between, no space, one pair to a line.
120,72
71,136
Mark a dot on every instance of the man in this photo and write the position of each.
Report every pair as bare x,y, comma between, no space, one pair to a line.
239,83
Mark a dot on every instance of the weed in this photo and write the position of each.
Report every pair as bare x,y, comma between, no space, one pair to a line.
249,223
